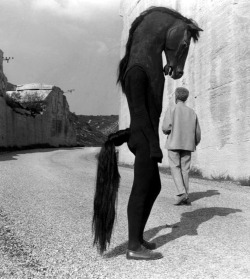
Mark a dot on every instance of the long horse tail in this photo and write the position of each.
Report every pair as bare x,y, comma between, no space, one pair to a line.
107,184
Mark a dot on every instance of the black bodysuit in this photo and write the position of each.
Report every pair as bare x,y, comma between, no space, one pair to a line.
144,143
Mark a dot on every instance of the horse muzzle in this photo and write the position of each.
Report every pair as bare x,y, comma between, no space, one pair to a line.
177,74
172,72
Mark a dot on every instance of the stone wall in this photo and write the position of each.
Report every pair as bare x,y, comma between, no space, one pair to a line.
53,127
218,77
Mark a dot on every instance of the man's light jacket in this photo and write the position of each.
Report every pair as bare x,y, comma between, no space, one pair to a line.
182,127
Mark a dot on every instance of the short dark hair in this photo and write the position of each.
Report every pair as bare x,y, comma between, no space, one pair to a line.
181,94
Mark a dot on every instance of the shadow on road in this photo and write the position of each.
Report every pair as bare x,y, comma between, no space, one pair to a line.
12,155
199,195
188,225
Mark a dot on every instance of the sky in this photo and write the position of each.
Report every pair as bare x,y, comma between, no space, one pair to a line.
72,44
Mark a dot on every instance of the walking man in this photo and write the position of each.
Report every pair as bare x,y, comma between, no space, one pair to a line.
182,127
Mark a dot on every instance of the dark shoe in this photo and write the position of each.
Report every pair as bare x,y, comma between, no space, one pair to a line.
148,245
180,199
185,201
143,254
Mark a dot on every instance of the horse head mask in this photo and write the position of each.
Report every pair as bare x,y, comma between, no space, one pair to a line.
157,30
176,48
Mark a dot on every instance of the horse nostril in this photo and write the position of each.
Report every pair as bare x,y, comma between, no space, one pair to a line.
180,73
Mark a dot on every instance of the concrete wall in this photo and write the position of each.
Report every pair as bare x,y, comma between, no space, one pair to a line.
53,127
217,73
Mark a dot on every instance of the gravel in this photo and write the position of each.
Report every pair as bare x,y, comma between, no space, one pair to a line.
46,200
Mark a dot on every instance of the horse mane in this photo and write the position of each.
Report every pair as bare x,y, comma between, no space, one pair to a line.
124,61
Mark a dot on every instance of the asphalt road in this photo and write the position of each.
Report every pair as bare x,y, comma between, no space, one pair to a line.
46,201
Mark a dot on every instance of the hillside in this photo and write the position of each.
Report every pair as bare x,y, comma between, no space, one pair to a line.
92,130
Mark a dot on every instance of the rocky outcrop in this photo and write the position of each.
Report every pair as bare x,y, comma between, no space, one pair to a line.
217,74
52,127
92,130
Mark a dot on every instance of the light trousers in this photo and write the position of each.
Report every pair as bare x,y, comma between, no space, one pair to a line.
179,162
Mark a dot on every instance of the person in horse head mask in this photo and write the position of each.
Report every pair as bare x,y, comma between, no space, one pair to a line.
182,127
141,76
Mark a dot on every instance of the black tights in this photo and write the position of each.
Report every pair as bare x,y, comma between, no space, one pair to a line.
146,187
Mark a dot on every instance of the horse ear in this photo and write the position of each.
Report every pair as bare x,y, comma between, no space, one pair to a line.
192,26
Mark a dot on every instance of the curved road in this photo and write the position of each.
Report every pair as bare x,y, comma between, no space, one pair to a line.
46,201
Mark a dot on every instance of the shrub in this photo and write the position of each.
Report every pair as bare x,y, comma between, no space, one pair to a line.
11,102
32,102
